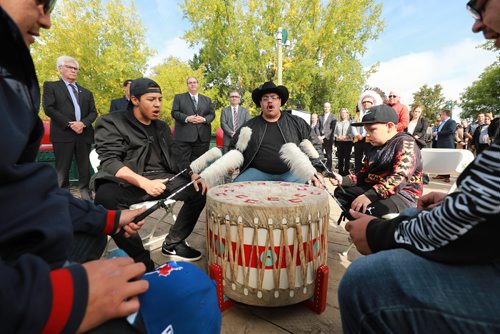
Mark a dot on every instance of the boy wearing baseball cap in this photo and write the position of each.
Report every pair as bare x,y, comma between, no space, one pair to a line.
391,177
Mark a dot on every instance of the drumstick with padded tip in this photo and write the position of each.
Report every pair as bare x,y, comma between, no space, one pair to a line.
216,171
231,160
243,138
301,166
308,148
200,163
161,202
212,174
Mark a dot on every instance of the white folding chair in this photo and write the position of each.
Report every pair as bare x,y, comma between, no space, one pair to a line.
150,241
445,161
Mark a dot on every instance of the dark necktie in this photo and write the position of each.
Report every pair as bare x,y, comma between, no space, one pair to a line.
235,119
195,102
77,110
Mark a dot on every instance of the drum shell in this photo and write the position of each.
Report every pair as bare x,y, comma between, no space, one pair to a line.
278,237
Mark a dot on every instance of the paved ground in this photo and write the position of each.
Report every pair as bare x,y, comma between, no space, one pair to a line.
289,319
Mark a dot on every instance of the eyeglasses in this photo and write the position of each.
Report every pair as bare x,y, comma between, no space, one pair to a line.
71,67
367,102
192,82
390,96
475,11
268,98
48,5
234,97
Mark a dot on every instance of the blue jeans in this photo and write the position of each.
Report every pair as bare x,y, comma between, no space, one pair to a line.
253,174
397,291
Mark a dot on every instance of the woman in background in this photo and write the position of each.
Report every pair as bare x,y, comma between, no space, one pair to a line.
343,138
418,124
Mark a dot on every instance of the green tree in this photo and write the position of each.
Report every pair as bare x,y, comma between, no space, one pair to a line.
327,39
432,99
105,37
483,95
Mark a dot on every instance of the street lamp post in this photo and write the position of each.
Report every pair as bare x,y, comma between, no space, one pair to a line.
281,40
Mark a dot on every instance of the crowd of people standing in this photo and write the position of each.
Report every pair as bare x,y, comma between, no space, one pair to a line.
444,132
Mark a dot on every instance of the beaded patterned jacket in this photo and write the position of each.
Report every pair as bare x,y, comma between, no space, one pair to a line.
392,169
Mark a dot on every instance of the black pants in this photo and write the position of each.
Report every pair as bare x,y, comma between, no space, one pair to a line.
115,196
63,153
328,147
189,151
393,204
481,147
344,149
360,148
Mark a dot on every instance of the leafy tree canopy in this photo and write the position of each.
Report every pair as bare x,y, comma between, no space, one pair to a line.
237,40
105,37
483,95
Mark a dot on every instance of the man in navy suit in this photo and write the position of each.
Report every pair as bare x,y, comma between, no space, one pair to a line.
445,136
122,102
71,109
232,118
328,122
193,113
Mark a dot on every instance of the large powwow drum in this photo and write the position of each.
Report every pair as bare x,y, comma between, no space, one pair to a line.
269,238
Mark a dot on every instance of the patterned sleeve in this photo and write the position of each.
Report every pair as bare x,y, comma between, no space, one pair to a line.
451,232
404,166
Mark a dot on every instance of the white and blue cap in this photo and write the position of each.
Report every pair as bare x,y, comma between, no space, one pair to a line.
181,299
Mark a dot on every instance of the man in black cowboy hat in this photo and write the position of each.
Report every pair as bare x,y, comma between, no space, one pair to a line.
270,130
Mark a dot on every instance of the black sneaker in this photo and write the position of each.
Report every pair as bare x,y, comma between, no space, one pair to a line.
181,252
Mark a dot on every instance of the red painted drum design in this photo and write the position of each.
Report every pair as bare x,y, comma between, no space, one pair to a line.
269,239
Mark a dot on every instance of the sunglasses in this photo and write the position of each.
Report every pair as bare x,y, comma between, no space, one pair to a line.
475,11
392,96
48,5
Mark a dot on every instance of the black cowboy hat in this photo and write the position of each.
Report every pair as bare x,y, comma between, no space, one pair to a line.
269,87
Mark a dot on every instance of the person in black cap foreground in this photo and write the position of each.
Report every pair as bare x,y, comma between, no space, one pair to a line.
42,289
390,180
135,156
270,130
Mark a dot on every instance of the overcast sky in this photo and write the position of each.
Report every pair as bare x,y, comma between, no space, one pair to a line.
424,42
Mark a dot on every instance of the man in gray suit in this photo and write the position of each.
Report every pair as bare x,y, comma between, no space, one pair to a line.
328,122
232,118
193,114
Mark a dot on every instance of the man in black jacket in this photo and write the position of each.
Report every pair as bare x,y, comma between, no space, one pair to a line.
445,136
436,272
71,110
270,130
135,153
122,102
